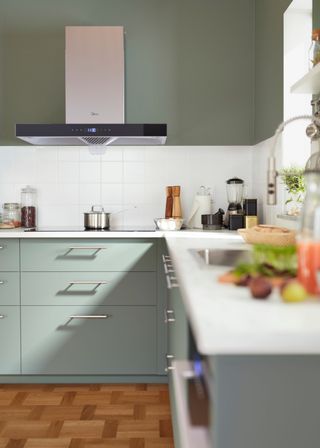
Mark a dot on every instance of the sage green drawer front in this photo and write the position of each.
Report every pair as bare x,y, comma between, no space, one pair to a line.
9,255
88,255
10,340
87,288
55,343
9,288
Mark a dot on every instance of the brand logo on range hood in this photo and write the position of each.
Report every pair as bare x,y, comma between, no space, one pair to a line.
94,91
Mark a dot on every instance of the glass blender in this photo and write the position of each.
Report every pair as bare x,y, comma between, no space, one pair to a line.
235,188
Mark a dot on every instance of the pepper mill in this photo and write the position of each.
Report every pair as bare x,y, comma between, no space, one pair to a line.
169,202
176,210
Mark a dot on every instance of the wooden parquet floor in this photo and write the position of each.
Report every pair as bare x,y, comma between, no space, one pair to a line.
85,416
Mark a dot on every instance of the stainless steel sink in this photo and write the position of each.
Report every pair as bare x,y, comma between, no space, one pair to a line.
224,257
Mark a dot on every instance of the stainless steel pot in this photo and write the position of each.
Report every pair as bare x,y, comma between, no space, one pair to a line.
96,219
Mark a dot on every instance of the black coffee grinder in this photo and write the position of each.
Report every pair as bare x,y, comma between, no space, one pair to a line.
234,216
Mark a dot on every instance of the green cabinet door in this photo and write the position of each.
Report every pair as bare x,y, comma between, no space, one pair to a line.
9,255
9,288
178,340
122,341
88,255
10,340
88,288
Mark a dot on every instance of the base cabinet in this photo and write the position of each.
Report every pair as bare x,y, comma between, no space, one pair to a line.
88,340
10,340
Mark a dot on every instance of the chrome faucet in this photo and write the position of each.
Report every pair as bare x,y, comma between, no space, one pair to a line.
312,131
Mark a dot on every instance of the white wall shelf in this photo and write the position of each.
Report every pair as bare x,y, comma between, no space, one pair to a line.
309,83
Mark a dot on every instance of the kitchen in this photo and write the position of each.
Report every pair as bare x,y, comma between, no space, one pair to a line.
83,311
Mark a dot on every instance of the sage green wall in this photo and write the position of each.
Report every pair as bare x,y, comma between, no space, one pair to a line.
268,91
188,63
316,13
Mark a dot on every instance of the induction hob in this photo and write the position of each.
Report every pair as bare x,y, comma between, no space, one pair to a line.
82,229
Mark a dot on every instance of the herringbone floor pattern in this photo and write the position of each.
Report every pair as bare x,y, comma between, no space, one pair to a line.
85,416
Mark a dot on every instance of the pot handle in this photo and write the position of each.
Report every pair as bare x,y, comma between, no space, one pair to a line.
99,207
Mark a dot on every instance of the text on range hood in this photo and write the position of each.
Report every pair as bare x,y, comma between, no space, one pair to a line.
94,91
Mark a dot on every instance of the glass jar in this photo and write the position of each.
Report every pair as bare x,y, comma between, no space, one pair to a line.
309,232
314,52
28,207
11,214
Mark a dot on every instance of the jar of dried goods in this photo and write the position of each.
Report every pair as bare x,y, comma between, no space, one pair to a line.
28,207
11,214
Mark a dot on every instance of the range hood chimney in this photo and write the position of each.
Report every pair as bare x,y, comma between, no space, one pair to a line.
94,91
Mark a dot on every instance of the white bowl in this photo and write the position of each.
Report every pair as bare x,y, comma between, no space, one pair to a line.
168,223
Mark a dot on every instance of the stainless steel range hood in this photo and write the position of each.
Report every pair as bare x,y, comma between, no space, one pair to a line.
95,100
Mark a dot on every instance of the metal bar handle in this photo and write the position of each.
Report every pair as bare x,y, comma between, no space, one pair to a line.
169,358
166,258
172,282
86,248
90,316
88,282
170,313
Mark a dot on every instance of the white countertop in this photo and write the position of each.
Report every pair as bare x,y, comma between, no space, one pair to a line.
226,320
56,232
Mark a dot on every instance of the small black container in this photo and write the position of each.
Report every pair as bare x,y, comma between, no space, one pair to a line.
236,222
213,221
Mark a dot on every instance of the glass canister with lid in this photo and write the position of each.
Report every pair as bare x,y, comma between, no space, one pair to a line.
28,207
11,214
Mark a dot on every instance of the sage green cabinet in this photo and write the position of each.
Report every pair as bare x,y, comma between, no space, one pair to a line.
88,288
9,288
178,339
123,342
88,255
10,340
9,255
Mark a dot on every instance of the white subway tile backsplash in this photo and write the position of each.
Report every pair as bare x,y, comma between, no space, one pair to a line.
130,181
90,172
111,194
89,194
112,172
133,172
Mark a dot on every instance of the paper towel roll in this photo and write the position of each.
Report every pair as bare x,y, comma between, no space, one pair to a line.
201,206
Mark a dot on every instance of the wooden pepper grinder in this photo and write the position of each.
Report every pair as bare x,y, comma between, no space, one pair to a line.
176,210
169,202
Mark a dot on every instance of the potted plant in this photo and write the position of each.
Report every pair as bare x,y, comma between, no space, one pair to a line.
293,179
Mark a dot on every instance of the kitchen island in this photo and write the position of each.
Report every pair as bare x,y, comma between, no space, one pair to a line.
261,358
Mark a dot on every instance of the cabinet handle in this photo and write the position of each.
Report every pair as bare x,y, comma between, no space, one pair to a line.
94,283
90,316
2,316
92,248
166,258
1,247
169,358
1,282
172,282
170,313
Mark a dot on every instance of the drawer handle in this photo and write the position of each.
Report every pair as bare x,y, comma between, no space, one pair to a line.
94,283
171,282
90,316
170,316
169,358
86,248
